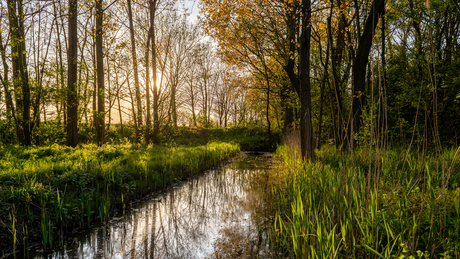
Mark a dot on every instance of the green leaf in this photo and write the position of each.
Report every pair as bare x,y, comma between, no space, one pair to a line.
377,253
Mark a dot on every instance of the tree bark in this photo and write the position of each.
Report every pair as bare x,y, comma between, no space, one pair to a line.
94,108
335,63
147,84
100,119
156,121
359,68
60,66
72,98
291,20
5,82
20,74
136,73
306,127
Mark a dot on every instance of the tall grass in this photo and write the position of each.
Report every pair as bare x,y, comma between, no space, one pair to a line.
50,191
342,208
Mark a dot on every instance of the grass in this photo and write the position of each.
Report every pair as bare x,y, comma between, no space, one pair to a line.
376,205
249,138
48,192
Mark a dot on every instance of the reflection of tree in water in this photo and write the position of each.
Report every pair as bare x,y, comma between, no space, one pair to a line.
248,241
191,221
188,220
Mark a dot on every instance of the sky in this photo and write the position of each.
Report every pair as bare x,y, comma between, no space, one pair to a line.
192,5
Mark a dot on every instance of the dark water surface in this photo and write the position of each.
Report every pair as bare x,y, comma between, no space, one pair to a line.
220,214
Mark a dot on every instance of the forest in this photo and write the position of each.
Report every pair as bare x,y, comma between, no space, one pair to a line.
104,102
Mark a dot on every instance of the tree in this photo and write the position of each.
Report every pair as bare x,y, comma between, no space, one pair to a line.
306,128
20,73
359,68
100,118
72,57
136,73
156,121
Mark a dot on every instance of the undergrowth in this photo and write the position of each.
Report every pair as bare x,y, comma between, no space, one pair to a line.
249,138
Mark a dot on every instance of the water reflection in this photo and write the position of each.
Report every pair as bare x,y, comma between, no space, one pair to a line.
216,215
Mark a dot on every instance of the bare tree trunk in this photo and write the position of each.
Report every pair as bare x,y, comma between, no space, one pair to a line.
323,86
109,95
72,98
267,112
359,68
94,84
100,118
60,64
147,87
136,73
306,127
335,62
20,74
118,102
336,58
192,102
15,60
156,122
132,103
9,100
25,78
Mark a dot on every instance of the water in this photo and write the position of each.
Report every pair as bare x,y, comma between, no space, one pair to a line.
221,214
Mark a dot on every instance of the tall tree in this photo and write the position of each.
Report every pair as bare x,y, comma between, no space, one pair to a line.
100,120
156,121
5,82
136,73
306,127
359,68
20,73
72,57
292,23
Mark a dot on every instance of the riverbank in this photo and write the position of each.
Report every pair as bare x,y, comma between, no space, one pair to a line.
49,192
382,203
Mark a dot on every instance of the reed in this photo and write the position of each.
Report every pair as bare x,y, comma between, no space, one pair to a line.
328,209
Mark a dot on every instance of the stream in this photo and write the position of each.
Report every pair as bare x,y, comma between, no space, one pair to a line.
220,214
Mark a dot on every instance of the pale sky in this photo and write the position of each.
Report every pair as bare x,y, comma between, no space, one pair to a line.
192,5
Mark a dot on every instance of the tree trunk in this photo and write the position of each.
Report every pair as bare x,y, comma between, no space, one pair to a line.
132,103
109,91
323,86
290,59
267,111
20,74
335,66
306,127
147,84
94,84
136,73
100,118
289,66
156,122
60,66
72,98
4,80
119,105
359,68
